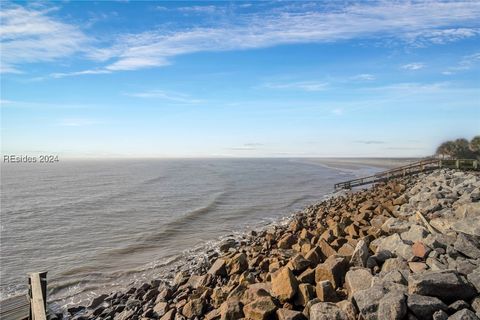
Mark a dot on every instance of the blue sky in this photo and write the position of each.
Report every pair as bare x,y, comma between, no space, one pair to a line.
239,79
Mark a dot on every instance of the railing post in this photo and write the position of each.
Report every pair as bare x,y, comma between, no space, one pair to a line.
457,164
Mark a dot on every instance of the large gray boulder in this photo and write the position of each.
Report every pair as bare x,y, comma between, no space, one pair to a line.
358,279
425,306
464,314
367,301
474,279
394,244
468,245
327,311
392,306
360,254
447,285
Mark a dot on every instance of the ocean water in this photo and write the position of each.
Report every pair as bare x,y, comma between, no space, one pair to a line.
100,225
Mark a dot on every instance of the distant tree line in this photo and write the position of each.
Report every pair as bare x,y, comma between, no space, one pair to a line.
460,148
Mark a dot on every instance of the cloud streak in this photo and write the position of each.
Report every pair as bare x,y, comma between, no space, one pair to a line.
413,66
29,36
166,96
301,85
414,23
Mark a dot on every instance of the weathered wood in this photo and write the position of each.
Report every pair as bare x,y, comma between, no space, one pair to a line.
15,308
427,225
416,167
38,303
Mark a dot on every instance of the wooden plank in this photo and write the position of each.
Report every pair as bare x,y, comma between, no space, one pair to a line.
425,222
15,308
37,300
412,168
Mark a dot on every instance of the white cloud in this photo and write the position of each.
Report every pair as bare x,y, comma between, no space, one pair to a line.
5,102
29,35
413,66
199,9
416,22
165,95
406,21
364,76
442,36
466,63
302,85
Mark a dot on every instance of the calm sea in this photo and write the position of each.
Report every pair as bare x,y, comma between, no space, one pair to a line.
98,226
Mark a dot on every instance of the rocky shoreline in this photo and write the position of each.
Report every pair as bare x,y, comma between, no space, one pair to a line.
407,249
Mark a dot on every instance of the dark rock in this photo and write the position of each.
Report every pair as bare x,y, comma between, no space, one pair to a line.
447,285
76,309
367,301
226,244
307,276
424,306
97,301
306,292
468,245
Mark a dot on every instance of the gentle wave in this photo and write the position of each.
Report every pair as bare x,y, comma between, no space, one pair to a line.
101,226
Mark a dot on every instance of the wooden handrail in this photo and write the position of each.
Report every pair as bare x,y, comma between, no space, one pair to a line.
415,167
38,295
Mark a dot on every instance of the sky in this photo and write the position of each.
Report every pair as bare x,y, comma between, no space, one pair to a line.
238,79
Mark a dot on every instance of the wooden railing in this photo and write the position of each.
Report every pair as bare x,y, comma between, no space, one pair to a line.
412,168
32,306
38,295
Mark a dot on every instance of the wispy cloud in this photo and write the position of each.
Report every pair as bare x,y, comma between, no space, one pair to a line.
466,63
413,66
30,35
442,36
6,102
200,9
397,20
418,22
364,77
301,85
166,95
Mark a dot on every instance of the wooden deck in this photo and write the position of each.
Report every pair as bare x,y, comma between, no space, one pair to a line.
415,167
28,306
15,308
